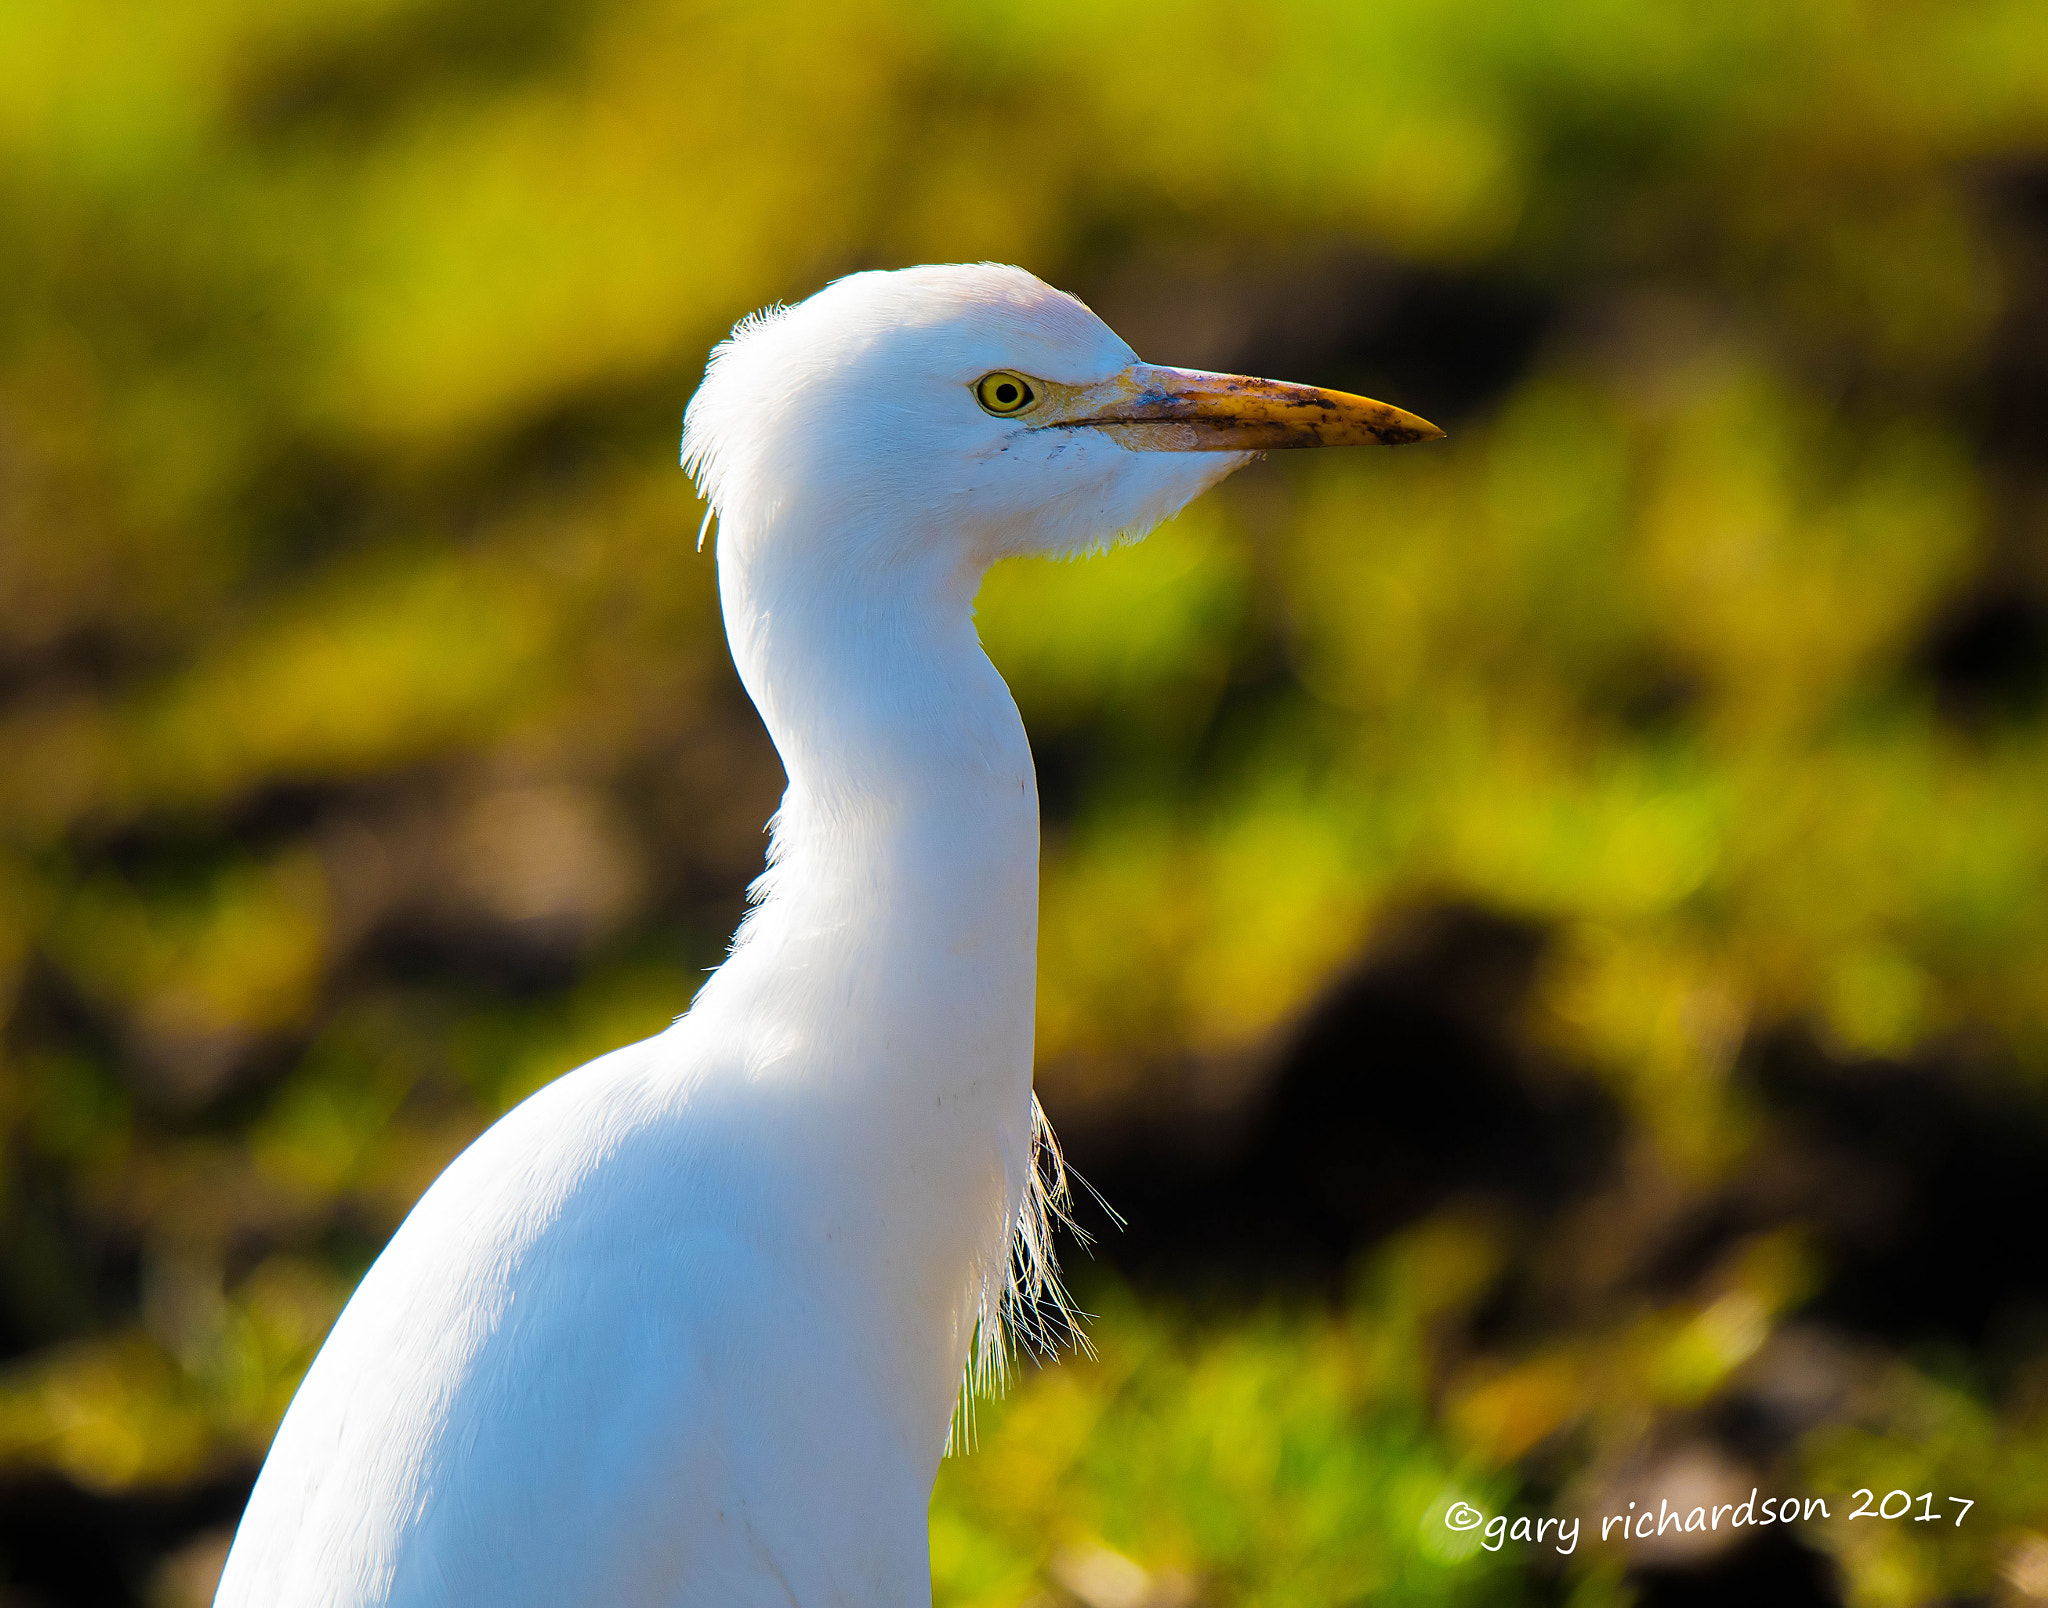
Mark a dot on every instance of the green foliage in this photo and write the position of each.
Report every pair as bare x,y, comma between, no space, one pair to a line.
370,752
1288,1458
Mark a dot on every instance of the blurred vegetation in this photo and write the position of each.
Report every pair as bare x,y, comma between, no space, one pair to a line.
369,752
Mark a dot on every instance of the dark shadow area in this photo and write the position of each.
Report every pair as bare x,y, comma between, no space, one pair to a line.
2015,385
517,962
60,1275
1406,1088
1989,658
1454,342
1401,1091
61,1272
62,1546
360,82
1773,1571
1923,1184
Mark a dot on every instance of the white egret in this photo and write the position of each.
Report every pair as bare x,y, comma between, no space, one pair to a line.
688,1327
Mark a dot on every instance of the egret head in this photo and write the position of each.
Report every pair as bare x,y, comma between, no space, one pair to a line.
976,409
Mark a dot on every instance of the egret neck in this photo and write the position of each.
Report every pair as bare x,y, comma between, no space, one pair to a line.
887,972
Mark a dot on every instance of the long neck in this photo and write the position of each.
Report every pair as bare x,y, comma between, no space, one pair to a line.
869,677
888,974
912,808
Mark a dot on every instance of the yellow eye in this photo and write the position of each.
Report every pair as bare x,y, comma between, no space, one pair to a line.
1003,392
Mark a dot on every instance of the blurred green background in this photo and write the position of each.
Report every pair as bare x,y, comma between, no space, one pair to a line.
1545,934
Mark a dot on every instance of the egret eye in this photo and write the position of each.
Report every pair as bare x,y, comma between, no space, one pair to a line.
1003,392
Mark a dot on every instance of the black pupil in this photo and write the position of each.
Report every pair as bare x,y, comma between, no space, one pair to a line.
1006,393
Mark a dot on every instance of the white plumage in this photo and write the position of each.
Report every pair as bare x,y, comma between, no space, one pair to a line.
688,1327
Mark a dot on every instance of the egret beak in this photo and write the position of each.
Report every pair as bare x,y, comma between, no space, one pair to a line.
1152,409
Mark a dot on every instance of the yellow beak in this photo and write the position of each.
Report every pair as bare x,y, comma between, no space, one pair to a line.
1153,409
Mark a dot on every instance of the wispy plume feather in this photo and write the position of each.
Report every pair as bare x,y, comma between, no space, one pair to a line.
1025,1306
